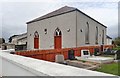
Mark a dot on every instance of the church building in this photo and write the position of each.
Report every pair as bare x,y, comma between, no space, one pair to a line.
66,27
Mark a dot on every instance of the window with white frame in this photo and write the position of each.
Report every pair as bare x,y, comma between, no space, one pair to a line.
87,33
103,36
96,35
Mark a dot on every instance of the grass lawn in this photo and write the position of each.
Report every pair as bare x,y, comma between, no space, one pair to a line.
113,68
117,48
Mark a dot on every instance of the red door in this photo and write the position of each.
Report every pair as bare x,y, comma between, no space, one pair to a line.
36,43
57,42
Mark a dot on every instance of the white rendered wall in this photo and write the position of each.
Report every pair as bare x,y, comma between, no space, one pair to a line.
14,41
64,22
19,40
109,41
22,41
74,38
81,24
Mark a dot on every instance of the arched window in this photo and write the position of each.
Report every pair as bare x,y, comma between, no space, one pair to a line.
103,36
57,32
36,40
36,34
57,39
96,35
87,33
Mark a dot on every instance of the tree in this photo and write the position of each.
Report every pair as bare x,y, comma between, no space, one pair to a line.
10,39
117,41
2,40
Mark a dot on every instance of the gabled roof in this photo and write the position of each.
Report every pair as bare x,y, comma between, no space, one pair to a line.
60,11
18,35
108,37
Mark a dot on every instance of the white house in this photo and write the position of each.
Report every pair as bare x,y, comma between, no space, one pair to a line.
19,39
66,27
109,40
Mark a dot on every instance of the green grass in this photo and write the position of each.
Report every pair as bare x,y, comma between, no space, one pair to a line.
110,68
117,48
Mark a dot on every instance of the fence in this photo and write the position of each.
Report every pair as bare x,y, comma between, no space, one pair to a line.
49,55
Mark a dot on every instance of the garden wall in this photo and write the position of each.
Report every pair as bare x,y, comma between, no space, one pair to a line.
49,55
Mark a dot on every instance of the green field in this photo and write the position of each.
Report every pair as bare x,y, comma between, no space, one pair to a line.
113,68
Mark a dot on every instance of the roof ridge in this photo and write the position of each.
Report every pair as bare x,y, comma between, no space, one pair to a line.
62,10
55,12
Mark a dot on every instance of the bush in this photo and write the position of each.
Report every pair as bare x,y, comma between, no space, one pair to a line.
117,41
117,48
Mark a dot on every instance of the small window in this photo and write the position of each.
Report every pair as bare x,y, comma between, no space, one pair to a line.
85,53
68,30
45,30
81,30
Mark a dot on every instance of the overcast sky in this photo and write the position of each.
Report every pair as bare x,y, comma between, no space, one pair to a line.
15,14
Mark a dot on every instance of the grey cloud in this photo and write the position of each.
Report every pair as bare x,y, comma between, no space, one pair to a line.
84,5
112,31
119,19
16,14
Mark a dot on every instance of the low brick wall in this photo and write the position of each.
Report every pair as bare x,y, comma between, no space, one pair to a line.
49,55
108,46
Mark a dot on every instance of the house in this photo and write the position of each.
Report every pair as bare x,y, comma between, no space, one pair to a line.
20,41
4,46
109,40
8,46
66,27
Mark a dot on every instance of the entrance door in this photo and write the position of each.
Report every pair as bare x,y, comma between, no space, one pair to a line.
36,40
57,42
36,43
58,39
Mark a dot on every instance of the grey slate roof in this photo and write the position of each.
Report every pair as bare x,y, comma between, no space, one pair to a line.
60,11
108,37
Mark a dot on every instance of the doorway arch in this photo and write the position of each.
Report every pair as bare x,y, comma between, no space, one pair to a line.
36,40
57,39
